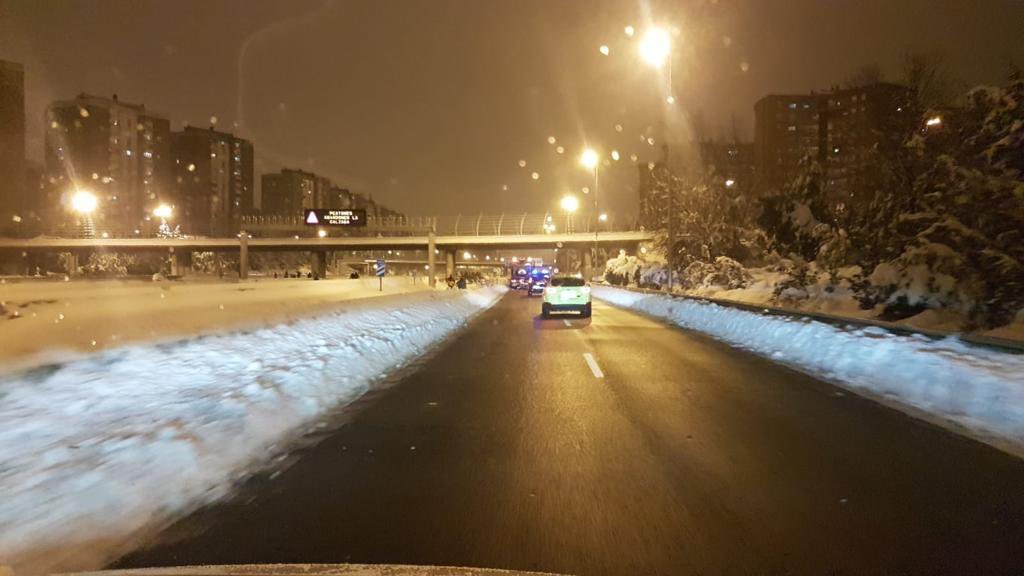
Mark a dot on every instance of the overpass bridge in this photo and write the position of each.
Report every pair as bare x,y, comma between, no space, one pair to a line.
181,249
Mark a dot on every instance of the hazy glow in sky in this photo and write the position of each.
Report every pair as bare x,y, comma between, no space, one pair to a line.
430,106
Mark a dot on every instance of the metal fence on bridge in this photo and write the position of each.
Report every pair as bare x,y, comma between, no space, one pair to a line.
505,224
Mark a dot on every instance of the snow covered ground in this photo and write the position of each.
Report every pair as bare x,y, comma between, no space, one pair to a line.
45,321
101,447
840,301
959,385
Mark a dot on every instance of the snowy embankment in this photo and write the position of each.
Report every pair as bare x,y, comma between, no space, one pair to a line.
99,448
45,322
954,383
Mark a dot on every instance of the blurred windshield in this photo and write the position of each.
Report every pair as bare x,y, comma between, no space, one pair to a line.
591,287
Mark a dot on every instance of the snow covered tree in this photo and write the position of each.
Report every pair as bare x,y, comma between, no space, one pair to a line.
108,264
795,220
622,269
165,231
708,219
963,221
711,221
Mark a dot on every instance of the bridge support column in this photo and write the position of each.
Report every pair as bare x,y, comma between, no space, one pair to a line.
449,263
181,262
588,264
71,264
243,255
431,270
319,264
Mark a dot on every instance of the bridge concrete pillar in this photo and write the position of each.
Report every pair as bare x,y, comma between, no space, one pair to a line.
319,264
181,262
71,264
588,265
431,271
243,255
449,263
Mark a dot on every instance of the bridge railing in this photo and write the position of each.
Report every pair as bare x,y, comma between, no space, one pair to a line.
375,223
503,224
526,223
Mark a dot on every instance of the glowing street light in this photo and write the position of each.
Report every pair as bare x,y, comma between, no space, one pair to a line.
163,211
84,202
603,217
655,47
934,121
569,203
321,233
589,159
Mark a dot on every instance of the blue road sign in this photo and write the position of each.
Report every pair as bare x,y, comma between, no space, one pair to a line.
381,267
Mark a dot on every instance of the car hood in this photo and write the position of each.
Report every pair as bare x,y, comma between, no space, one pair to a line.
312,570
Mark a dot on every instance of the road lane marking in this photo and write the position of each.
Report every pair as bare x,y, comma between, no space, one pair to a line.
593,365
567,323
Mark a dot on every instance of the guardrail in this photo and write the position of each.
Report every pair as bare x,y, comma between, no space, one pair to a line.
1001,344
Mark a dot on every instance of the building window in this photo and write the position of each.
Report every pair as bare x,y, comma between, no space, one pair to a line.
791,128
792,105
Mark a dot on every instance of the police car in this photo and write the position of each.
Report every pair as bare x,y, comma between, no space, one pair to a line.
566,294
537,280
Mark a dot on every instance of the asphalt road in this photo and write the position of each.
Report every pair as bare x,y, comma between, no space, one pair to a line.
505,449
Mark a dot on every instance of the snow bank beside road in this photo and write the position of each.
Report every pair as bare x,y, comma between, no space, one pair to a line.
98,448
42,322
973,387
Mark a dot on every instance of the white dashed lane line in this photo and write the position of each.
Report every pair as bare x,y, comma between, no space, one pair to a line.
567,323
593,365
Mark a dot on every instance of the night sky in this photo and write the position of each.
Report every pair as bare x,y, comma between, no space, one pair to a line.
430,105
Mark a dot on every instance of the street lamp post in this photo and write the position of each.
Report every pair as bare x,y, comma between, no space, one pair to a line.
591,160
670,240
570,204
656,49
